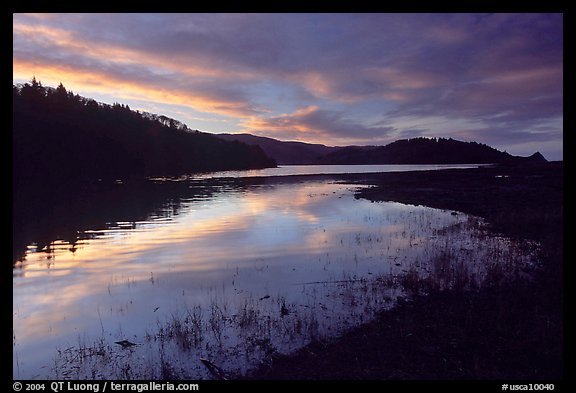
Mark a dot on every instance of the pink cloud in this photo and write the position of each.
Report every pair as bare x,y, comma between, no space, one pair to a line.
314,124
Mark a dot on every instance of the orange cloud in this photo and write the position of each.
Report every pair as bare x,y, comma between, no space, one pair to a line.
67,42
315,125
94,80
286,121
93,64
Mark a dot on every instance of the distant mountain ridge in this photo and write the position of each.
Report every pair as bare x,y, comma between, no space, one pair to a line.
285,153
404,151
60,137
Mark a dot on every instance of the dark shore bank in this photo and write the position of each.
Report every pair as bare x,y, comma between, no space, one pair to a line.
510,330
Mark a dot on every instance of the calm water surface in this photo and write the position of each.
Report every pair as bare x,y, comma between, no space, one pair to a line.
286,170
233,276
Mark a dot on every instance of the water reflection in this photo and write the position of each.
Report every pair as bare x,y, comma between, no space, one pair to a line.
285,170
73,212
42,219
231,271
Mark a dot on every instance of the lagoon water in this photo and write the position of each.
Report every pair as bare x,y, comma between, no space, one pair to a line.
232,274
289,170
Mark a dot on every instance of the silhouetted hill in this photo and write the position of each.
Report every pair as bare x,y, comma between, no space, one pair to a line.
285,153
404,151
60,136
536,157
423,151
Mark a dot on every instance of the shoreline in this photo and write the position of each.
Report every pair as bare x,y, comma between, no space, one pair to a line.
511,330
507,331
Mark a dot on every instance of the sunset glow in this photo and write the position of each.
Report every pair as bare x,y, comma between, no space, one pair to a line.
336,79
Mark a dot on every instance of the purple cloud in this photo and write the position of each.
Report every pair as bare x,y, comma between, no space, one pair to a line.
501,72
315,124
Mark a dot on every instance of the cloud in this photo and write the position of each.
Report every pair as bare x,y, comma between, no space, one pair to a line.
314,75
314,124
144,85
510,96
55,55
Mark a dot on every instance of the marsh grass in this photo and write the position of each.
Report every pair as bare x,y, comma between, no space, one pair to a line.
244,332
252,332
495,262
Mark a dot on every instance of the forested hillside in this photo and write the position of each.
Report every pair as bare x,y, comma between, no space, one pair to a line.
61,136
403,151
425,151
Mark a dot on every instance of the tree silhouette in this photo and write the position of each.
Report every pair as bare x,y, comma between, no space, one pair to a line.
60,136
421,151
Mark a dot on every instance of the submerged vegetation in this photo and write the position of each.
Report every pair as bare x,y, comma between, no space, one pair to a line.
510,328
234,334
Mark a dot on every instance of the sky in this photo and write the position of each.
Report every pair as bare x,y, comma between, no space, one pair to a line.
336,79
